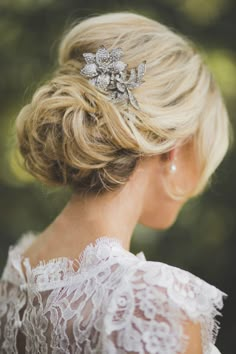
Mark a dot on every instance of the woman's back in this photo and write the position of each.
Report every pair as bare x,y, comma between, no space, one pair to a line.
116,302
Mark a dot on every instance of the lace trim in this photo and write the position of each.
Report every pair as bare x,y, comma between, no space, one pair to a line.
134,305
50,274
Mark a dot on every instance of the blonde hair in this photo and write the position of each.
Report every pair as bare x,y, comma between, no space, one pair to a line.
70,134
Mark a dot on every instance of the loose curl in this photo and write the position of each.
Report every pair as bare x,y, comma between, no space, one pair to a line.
71,135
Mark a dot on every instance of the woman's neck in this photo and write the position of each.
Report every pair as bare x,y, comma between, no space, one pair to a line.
82,221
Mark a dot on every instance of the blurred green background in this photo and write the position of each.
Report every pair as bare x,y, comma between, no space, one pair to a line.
203,239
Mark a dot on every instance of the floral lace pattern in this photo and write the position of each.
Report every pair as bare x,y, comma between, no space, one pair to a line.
114,303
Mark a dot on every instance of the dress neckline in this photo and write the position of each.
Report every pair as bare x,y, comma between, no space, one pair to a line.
29,237
50,272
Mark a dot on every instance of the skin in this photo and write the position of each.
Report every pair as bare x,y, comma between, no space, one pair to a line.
143,199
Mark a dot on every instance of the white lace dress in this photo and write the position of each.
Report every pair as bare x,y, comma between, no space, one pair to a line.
115,302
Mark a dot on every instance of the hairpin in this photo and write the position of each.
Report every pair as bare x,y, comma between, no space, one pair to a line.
110,75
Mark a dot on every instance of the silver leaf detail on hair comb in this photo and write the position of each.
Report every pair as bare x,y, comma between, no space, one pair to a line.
110,75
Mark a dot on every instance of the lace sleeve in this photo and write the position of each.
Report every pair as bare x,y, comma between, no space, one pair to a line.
147,312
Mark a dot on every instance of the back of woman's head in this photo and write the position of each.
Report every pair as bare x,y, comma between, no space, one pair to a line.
71,134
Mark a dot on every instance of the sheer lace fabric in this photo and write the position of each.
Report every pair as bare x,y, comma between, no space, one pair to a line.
116,302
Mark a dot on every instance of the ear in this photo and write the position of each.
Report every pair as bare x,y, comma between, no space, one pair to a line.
172,154
169,156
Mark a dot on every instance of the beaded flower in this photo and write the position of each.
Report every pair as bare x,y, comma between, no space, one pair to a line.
110,75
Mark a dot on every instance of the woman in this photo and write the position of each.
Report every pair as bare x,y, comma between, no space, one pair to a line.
133,122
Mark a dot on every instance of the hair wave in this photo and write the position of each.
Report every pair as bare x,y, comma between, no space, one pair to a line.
70,134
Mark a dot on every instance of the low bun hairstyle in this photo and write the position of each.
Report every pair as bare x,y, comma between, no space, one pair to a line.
70,134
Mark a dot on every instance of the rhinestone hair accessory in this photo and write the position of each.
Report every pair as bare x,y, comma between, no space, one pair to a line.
110,75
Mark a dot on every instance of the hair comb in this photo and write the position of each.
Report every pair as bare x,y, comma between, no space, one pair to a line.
110,75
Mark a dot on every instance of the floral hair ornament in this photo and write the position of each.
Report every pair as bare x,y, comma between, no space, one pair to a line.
109,74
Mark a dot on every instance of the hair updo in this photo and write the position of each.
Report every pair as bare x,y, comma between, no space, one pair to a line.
71,135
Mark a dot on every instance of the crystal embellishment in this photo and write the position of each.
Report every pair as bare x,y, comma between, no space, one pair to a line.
110,75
